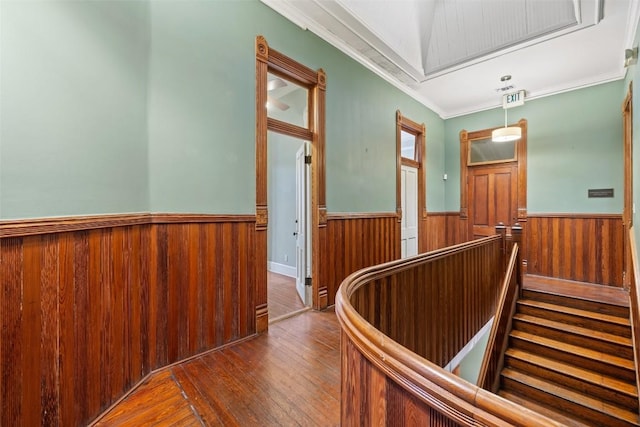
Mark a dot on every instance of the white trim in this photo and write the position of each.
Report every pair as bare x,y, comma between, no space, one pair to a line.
285,270
470,345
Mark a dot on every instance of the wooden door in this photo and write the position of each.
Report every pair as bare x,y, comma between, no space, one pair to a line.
492,198
303,264
409,225
627,211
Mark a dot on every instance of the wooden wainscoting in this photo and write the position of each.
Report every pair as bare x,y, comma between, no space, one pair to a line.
92,305
582,247
355,241
442,229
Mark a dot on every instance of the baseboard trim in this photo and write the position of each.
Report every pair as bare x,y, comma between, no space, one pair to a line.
285,270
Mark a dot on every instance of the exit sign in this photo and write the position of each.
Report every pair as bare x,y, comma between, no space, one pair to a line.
514,99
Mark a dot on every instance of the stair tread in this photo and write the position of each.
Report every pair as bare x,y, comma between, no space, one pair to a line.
571,396
577,350
585,375
576,330
544,410
622,321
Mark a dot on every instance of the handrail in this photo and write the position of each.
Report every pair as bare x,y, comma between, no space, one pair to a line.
374,365
498,338
634,302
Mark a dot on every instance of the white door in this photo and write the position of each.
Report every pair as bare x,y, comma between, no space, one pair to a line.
303,264
409,196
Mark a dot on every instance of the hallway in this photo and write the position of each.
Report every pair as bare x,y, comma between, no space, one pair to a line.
288,376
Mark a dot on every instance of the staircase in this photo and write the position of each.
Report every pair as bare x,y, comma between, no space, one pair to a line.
571,360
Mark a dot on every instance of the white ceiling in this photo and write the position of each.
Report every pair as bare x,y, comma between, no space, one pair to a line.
450,54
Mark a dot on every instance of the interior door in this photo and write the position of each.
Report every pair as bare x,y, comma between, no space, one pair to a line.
493,198
628,208
409,203
303,264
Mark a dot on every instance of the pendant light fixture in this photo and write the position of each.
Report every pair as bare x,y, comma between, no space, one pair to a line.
507,133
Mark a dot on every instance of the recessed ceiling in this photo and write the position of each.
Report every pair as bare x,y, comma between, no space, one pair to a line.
450,54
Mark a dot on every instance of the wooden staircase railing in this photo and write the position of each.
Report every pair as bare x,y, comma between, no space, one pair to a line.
634,302
492,362
402,321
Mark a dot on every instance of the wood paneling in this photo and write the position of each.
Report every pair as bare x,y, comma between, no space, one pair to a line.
403,320
88,312
356,241
586,248
436,306
442,229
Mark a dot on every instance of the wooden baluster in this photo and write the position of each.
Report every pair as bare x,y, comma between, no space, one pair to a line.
516,235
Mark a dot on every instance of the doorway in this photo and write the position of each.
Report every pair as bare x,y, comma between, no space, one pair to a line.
409,227
288,243
410,185
493,182
492,198
281,84
628,208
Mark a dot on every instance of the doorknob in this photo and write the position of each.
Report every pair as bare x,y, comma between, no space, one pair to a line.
295,233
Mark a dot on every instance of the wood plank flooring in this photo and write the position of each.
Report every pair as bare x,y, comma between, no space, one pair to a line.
288,376
282,297
582,290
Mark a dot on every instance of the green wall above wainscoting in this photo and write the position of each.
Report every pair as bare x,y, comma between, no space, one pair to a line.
574,144
73,107
114,107
150,106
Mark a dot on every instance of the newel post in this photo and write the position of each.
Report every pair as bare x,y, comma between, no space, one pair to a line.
516,235
501,230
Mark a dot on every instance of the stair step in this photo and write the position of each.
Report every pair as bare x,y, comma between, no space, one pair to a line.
544,410
576,335
576,302
594,384
593,320
566,400
606,364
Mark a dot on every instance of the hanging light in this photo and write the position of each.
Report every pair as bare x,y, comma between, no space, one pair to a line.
507,133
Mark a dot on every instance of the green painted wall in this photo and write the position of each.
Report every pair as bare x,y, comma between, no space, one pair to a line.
149,106
201,112
633,79
202,106
73,131
574,143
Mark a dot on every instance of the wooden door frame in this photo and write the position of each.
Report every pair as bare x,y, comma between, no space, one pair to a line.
627,210
419,130
270,60
521,154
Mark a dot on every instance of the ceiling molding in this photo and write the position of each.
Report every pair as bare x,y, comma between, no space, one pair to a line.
469,87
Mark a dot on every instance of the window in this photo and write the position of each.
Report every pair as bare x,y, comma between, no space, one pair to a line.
485,151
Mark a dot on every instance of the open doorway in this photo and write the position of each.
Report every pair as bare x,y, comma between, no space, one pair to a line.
288,242
272,65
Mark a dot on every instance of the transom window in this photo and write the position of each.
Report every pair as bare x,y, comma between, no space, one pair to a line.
485,151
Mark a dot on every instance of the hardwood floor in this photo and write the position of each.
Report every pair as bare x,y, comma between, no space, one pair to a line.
282,297
286,377
582,290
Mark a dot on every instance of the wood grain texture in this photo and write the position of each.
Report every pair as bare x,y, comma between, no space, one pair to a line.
402,321
87,314
442,229
581,247
287,377
355,243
